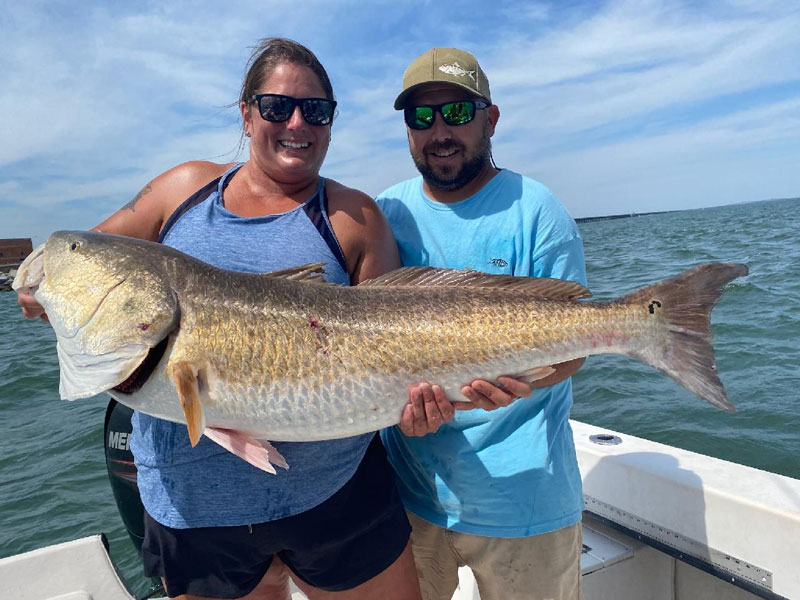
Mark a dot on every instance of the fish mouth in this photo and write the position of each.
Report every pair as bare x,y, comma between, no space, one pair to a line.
30,274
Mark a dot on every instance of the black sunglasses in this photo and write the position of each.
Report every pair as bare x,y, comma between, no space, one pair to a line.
278,108
453,113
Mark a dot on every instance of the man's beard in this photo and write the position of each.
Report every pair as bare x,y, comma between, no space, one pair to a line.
448,178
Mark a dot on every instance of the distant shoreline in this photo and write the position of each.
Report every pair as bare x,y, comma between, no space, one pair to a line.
623,216
618,216
664,212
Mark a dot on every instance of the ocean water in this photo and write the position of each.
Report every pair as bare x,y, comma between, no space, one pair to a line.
756,328
53,483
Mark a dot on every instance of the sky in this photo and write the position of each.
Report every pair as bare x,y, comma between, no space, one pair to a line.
618,107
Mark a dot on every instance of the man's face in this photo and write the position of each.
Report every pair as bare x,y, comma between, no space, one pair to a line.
450,156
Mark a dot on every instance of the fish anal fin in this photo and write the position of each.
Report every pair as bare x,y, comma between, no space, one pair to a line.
534,374
555,289
184,375
259,453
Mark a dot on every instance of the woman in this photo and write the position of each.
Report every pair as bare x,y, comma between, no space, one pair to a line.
214,525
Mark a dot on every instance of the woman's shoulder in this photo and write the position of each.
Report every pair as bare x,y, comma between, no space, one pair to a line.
145,214
362,231
183,180
353,206
339,193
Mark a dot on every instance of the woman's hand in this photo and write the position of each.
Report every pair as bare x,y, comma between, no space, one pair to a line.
30,307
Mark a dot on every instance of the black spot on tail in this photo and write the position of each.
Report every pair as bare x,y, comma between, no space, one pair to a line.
684,307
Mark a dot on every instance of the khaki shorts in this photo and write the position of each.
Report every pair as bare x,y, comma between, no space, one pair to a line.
541,567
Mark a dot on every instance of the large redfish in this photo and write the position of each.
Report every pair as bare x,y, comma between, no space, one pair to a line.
245,358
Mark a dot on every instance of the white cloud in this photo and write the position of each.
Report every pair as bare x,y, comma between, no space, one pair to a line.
621,65
739,157
614,106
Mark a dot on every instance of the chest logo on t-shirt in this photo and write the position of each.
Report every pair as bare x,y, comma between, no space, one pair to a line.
498,262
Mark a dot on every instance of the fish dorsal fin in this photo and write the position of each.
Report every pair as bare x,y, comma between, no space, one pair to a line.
556,289
309,272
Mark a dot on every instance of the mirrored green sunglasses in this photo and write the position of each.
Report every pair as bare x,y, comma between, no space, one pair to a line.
453,113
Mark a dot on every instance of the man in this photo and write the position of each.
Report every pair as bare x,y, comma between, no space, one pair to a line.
499,490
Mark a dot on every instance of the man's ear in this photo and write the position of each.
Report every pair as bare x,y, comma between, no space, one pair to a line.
493,115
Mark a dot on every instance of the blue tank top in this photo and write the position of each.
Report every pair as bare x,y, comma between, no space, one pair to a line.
207,486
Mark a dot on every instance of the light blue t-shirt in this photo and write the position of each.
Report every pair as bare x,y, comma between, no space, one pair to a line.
511,472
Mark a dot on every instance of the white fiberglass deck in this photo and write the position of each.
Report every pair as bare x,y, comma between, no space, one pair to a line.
661,524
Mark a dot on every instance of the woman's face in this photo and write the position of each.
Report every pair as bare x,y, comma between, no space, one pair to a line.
291,151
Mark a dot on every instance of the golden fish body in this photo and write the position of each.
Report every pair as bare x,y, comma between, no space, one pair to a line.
287,358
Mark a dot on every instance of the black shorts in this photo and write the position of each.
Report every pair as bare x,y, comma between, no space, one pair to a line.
351,537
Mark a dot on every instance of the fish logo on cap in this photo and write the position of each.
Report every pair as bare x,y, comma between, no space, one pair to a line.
457,70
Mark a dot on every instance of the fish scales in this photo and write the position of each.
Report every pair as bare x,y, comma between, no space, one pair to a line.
277,357
419,340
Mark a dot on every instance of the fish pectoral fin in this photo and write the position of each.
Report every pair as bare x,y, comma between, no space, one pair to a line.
259,453
534,374
184,375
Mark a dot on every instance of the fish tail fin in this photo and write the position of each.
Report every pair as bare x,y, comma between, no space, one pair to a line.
684,303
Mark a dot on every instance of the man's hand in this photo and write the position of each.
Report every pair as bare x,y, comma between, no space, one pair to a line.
30,307
490,397
427,409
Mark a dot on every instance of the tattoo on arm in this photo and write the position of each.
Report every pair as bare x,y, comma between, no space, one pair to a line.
145,190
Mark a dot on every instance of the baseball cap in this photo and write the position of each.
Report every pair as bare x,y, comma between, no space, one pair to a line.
444,65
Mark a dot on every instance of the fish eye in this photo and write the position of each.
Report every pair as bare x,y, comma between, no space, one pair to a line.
74,246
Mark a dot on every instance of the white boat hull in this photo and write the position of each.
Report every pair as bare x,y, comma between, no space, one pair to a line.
661,523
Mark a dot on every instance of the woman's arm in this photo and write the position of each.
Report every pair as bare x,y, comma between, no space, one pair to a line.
146,213
363,233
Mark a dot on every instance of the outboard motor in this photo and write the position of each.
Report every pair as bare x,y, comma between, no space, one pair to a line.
122,476
122,471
